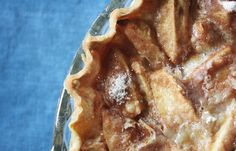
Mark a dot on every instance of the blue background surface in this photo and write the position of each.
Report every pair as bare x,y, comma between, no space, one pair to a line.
38,39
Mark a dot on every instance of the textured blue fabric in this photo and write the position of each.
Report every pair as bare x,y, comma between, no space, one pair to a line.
38,39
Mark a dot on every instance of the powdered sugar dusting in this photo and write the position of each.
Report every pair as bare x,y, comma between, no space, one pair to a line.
118,88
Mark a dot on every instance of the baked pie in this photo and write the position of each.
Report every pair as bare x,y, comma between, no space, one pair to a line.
163,78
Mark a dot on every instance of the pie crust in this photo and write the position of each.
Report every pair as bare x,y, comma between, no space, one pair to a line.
162,78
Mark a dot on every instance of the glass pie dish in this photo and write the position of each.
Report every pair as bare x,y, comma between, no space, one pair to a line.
61,134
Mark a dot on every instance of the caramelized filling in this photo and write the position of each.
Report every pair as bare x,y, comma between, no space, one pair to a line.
168,80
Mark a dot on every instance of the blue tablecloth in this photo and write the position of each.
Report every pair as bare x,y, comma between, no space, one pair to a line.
38,39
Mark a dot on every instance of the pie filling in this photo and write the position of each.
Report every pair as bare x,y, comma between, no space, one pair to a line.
166,81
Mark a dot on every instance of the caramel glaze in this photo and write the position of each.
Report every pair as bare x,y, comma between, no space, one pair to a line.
207,34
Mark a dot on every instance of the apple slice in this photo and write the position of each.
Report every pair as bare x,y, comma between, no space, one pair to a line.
173,28
173,106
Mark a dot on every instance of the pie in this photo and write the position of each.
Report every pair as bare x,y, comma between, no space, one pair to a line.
163,78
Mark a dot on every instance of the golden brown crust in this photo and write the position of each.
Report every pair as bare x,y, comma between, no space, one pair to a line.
148,84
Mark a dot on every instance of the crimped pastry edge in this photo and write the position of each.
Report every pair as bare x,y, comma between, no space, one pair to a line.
89,70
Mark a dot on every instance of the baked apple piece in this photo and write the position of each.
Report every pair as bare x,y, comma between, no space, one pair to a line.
119,85
143,38
170,101
173,28
127,134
